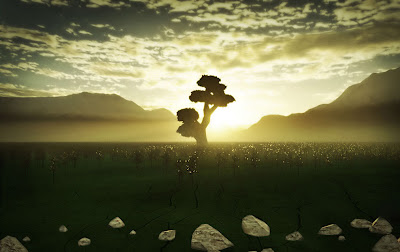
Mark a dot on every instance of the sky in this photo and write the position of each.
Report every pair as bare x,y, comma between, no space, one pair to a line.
276,57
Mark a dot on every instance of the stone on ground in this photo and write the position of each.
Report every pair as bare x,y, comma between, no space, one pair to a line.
26,239
168,235
361,223
387,243
255,227
331,229
381,226
133,232
63,229
84,242
295,236
11,244
267,250
341,238
207,238
116,223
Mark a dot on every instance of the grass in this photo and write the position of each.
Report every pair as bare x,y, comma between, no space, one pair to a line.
288,195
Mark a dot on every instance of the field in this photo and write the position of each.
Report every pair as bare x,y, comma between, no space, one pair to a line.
155,187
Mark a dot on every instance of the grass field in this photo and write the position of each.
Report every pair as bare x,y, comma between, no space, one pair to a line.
155,187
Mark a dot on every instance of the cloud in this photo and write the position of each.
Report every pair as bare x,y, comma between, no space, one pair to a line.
100,26
12,90
355,12
88,4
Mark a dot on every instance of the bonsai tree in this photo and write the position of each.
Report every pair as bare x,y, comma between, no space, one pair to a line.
213,97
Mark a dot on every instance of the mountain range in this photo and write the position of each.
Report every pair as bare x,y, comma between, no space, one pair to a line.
83,117
368,111
82,106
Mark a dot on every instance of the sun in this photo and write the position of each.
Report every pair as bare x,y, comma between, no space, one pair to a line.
225,119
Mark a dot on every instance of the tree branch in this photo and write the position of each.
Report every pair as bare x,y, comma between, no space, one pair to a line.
213,108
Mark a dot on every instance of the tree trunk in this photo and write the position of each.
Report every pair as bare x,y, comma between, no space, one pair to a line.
202,136
201,139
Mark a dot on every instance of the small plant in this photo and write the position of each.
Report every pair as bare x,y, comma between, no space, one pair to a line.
53,167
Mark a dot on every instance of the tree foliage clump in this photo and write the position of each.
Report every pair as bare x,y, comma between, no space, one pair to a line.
214,96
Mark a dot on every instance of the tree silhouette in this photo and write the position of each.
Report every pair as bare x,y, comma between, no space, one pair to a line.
213,97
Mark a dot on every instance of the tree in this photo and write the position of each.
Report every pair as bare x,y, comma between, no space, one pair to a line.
213,97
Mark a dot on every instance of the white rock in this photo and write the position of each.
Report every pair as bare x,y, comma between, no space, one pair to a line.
116,223
341,238
11,244
207,238
267,250
63,229
361,223
295,236
168,235
331,229
387,243
133,232
255,227
26,239
84,242
381,226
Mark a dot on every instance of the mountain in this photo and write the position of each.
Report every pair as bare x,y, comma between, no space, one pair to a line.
368,111
83,117
82,106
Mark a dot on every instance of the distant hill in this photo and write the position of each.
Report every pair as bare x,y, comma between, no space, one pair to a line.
368,111
83,117
82,106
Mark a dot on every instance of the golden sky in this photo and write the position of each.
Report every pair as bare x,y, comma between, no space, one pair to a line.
276,57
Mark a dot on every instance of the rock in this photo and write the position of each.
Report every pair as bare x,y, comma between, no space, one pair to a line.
116,223
387,243
207,238
341,238
255,227
84,242
267,250
295,236
26,239
168,235
331,229
381,226
11,244
63,229
361,223
133,232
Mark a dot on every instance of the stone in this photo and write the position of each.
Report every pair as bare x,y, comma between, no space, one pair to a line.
9,243
26,239
331,229
255,227
295,236
207,238
84,242
63,229
133,232
116,223
267,250
387,243
361,223
341,238
381,226
168,235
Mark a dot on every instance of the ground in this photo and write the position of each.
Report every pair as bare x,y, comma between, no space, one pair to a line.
292,187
